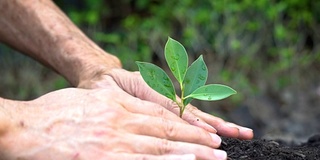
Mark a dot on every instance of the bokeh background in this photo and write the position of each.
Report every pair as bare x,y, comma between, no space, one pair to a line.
268,50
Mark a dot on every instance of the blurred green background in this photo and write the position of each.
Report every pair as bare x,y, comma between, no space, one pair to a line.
268,50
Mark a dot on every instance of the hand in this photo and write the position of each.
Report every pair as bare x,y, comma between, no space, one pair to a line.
103,124
133,84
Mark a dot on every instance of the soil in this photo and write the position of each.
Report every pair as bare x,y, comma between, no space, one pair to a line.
263,149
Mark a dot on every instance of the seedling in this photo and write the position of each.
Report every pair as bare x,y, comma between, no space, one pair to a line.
192,79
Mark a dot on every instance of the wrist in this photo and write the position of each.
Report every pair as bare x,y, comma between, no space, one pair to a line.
10,124
5,120
77,57
46,34
94,67
84,61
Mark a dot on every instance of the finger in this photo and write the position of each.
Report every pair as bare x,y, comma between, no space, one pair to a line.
187,116
157,146
225,128
121,156
173,107
197,121
244,132
163,128
133,84
136,105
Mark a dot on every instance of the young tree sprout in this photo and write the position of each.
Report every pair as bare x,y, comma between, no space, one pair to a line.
192,79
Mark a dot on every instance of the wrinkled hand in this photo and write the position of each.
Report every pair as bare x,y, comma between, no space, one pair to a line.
104,124
133,84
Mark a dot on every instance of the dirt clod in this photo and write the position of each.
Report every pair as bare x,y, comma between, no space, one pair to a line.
271,149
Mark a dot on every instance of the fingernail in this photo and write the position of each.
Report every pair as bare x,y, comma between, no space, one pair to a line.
231,125
216,139
211,129
188,157
246,129
221,155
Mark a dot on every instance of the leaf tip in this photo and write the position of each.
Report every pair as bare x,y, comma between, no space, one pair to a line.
170,40
138,63
234,91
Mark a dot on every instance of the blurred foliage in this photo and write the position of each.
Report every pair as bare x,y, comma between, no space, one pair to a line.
23,79
254,46
257,46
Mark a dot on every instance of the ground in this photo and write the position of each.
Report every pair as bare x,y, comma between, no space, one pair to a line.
263,149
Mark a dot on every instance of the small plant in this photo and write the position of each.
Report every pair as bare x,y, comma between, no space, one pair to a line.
192,79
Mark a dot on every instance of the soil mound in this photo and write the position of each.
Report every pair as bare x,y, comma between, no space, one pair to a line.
263,149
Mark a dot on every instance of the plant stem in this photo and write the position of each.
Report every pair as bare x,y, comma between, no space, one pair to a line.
181,108
181,104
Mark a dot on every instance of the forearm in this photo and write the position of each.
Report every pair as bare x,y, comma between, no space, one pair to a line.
42,31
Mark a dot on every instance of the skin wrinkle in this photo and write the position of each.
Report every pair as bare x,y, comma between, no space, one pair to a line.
19,34
3,118
7,120
84,64
54,40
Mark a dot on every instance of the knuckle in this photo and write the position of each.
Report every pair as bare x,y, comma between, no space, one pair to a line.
142,157
159,111
171,105
219,121
202,137
164,146
169,129
194,110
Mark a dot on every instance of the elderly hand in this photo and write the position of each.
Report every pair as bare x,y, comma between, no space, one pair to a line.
133,84
103,123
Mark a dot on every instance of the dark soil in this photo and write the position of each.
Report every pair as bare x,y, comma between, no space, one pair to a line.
262,149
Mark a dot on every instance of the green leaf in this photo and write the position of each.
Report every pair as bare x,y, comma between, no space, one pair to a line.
157,79
212,92
177,58
195,77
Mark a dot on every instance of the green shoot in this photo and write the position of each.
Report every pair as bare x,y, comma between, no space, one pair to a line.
192,79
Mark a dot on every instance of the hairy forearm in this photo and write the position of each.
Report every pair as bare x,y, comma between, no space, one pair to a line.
41,30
